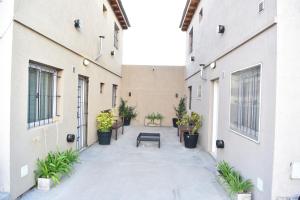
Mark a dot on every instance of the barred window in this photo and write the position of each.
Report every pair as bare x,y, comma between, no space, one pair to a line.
41,95
114,96
245,102
191,40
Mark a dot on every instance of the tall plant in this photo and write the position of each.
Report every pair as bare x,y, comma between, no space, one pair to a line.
181,108
104,121
126,111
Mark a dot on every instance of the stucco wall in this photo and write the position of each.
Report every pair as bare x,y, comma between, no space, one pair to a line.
153,89
249,39
6,33
288,97
56,18
51,39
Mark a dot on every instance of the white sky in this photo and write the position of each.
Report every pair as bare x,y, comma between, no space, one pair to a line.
154,37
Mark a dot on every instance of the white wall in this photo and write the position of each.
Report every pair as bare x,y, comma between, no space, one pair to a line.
287,139
6,31
257,34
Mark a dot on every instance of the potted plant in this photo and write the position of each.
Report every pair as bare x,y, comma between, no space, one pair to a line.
155,119
104,127
180,111
233,182
195,122
51,169
126,112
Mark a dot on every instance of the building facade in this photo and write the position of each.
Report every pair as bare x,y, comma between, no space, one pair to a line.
62,62
241,76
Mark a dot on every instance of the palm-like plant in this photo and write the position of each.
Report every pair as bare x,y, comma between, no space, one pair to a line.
126,111
181,108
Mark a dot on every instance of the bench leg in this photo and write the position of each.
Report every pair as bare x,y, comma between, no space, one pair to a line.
122,129
116,134
159,144
137,143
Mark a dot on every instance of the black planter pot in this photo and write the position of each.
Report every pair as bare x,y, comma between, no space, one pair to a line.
127,121
190,140
175,120
104,137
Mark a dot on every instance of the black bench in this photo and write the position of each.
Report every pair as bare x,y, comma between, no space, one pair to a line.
152,137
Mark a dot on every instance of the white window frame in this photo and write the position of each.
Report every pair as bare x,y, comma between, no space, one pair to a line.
116,35
191,40
44,68
260,103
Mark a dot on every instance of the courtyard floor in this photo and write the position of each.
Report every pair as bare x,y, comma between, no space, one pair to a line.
121,171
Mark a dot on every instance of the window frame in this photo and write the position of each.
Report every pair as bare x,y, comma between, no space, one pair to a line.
116,35
191,40
257,141
190,88
42,67
201,15
114,95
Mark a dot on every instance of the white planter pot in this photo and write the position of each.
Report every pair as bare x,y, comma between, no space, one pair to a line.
246,196
44,184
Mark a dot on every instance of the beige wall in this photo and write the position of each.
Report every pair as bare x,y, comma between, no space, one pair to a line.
153,89
51,39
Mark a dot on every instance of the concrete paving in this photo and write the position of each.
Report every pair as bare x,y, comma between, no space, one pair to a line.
121,171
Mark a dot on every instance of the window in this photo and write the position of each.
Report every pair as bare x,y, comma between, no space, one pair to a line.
199,91
200,15
114,96
261,6
101,87
41,95
116,36
104,9
245,102
191,41
190,97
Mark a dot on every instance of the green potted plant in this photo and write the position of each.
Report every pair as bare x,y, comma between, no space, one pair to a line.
155,119
51,169
126,112
195,122
180,111
104,127
233,182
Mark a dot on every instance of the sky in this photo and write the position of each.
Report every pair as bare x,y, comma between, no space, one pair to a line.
154,37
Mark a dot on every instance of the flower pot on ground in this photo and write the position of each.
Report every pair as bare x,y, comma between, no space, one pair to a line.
180,111
126,112
190,140
175,120
44,184
233,182
191,137
153,119
104,127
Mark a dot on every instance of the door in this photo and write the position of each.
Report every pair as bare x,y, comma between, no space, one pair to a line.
82,114
215,116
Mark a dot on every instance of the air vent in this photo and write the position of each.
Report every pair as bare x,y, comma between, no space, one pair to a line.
261,6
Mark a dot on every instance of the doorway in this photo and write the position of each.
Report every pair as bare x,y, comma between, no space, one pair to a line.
82,114
215,116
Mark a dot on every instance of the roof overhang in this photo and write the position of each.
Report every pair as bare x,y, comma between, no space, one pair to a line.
188,13
120,13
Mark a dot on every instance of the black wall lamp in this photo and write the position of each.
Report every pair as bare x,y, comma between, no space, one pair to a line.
192,58
221,29
70,137
129,94
220,144
112,53
77,23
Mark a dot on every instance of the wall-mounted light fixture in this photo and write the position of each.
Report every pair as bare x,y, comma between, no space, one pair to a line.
101,87
129,94
221,29
176,95
112,53
220,144
192,58
213,65
86,62
77,23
